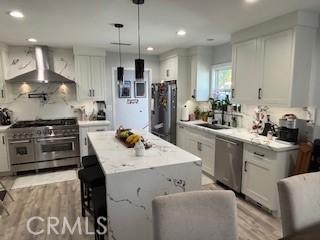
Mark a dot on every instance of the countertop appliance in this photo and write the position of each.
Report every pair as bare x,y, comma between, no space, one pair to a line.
291,128
101,115
164,110
42,144
228,162
4,117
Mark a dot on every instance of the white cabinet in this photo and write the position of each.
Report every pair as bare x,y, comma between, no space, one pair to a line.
244,72
169,69
199,143
262,169
201,58
4,157
3,61
84,137
90,77
274,69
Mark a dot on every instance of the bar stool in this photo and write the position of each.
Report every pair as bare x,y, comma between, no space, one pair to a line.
93,195
89,161
6,191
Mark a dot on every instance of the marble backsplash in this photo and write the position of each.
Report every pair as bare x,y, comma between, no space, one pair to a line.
61,102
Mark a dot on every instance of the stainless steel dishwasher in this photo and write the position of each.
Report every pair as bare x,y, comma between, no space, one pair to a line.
228,162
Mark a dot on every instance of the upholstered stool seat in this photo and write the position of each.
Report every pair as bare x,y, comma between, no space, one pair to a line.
89,161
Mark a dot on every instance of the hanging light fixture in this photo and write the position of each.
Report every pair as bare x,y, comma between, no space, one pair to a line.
139,63
120,69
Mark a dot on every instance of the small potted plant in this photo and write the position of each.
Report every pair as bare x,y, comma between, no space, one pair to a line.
204,116
197,113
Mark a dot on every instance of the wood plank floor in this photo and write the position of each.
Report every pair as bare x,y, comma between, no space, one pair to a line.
63,200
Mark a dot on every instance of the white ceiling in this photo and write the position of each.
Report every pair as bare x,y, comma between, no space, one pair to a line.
66,23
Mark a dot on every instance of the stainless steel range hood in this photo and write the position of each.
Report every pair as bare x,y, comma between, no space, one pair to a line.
43,73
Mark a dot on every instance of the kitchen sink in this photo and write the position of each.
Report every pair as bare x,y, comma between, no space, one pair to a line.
212,126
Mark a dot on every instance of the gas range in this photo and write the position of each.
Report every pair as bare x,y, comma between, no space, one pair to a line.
43,128
42,144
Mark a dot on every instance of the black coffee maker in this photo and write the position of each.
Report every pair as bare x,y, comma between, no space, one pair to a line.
289,128
101,115
5,117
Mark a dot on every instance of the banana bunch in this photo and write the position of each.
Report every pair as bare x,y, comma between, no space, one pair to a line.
133,139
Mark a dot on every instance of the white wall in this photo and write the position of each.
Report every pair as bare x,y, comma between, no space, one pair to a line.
222,54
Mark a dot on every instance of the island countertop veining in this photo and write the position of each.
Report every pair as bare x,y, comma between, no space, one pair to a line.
115,157
133,182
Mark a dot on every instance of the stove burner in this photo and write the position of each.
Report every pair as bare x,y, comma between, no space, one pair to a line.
44,123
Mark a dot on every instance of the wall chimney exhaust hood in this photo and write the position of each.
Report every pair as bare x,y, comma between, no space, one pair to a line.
43,73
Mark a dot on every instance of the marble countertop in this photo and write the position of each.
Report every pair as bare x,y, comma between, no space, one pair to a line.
93,123
4,128
116,158
243,135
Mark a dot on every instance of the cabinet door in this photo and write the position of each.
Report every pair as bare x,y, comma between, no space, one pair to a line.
257,179
276,68
83,141
4,160
182,141
83,77
244,72
206,150
98,77
2,77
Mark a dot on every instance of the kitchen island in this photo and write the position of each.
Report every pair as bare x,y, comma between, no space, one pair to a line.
133,182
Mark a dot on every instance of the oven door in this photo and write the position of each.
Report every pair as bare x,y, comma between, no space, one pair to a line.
57,148
21,151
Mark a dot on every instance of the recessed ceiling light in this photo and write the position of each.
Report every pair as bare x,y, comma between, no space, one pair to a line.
251,1
150,48
210,39
181,33
32,40
16,14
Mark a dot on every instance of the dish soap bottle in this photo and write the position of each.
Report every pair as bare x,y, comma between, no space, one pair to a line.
139,148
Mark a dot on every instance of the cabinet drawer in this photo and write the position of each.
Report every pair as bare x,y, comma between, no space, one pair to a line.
260,153
98,129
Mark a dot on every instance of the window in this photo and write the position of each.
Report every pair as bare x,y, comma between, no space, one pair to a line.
221,81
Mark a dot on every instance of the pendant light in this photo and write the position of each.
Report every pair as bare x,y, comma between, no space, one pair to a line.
120,69
139,63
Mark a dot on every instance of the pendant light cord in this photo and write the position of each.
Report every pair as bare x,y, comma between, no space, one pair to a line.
139,28
119,46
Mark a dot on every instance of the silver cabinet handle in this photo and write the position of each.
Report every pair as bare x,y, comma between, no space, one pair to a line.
232,93
89,92
100,130
85,141
199,146
22,141
245,166
227,141
2,93
3,140
55,139
258,154
93,92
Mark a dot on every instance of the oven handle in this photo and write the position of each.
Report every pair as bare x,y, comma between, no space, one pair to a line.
22,141
55,139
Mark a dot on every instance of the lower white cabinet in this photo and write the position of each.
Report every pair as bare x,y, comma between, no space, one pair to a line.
4,157
199,143
84,137
262,169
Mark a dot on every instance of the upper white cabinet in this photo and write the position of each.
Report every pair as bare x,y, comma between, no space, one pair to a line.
4,160
169,69
244,71
3,60
90,70
272,61
201,63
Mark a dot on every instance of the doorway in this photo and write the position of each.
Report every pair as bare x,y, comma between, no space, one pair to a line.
131,100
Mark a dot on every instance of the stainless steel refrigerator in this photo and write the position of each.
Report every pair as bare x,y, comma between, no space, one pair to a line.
164,110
